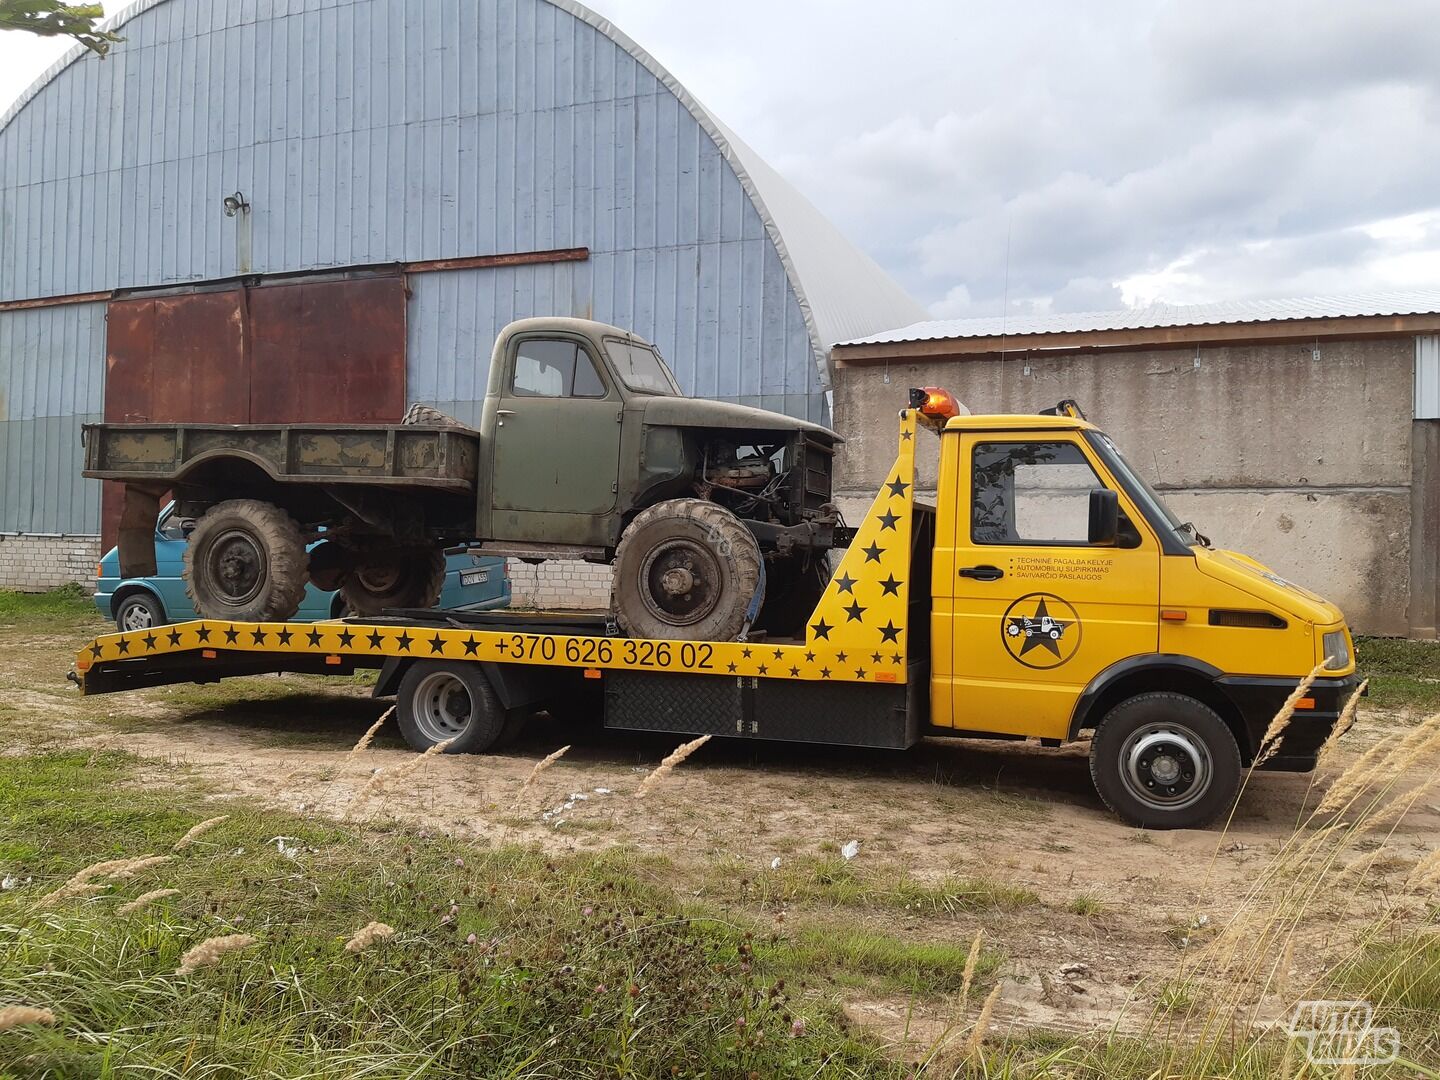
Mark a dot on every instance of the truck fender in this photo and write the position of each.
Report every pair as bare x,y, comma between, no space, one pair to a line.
518,686
141,506
1139,674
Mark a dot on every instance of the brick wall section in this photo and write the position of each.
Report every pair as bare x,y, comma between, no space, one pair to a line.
559,584
33,562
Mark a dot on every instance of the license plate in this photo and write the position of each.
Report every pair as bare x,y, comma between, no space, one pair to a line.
474,577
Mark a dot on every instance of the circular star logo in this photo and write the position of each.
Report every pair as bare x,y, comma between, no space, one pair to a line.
1040,630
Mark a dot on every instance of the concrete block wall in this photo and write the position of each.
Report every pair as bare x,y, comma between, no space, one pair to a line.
32,562
1299,454
559,584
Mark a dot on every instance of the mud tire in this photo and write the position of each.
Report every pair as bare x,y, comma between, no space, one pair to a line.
246,561
696,538
398,578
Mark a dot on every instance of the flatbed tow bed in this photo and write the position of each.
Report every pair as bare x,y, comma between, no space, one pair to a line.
1175,655
849,681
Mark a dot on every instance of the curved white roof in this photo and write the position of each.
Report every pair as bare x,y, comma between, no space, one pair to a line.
842,293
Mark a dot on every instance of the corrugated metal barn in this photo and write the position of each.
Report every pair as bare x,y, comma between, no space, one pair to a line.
404,177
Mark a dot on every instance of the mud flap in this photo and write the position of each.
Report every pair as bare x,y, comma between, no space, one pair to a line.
138,513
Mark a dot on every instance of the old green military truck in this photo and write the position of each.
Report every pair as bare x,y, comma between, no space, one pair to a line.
716,516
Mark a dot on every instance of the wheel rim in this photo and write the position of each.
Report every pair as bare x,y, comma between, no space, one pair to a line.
236,564
136,616
442,706
1166,766
680,581
378,580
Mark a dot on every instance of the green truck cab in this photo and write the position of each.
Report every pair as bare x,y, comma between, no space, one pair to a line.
717,516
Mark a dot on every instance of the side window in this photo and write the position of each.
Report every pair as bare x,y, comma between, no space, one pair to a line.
554,369
1031,493
174,527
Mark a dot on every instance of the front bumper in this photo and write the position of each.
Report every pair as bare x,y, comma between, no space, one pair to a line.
1259,699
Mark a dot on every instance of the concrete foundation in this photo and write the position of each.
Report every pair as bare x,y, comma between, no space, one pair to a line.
1304,456
33,562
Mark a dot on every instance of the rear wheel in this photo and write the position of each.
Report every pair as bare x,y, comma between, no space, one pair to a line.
139,611
394,578
1165,761
246,561
437,701
686,569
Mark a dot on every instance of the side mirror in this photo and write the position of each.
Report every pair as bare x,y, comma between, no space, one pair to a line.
1104,516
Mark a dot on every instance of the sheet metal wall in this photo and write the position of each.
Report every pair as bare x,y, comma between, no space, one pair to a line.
371,131
52,380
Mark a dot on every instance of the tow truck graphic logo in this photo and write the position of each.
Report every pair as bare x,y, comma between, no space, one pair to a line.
1040,630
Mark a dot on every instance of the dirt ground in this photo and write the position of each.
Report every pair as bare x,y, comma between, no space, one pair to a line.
1116,905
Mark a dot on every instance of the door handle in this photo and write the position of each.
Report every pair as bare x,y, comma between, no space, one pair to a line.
982,573
504,412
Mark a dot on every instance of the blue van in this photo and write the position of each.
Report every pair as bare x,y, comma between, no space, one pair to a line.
474,582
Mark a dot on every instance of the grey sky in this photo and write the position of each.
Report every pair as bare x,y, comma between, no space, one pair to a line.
1118,152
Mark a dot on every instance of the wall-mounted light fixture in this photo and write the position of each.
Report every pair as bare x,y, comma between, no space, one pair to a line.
236,204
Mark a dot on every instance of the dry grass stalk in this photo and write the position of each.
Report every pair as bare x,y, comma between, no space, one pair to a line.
1343,724
138,866
667,766
1426,872
381,779
971,958
368,935
83,882
540,766
196,831
210,951
1282,973
370,733
1397,807
1271,742
13,1016
982,1024
1372,765
145,900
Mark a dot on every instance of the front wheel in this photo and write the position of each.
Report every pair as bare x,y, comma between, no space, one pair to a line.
686,569
246,561
437,701
1165,761
139,611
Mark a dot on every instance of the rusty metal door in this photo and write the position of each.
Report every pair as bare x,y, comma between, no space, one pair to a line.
324,351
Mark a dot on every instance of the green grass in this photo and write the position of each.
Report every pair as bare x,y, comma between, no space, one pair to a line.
1403,674
65,606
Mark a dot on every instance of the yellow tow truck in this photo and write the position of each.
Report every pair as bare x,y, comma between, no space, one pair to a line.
1047,594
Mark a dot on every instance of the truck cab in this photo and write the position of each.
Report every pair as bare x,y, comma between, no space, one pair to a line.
1066,596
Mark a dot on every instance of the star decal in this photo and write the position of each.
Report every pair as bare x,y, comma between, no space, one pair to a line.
897,488
873,552
123,645
906,436
203,634
779,654
730,667
896,659
745,653
889,632
437,643
404,641
888,520
257,637
794,671
840,656
284,635
314,636
822,629
891,586
149,640
853,612
346,638
762,669
231,635
375,639
809,657
1039,631
471,645
859,673
97,650
846,583
824,673
175,638
876,658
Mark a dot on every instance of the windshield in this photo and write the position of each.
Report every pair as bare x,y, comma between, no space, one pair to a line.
640,367
1141,490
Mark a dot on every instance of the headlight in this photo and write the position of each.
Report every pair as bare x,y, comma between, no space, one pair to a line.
1337,650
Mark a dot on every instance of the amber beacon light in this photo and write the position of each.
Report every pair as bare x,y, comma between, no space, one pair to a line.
934,402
